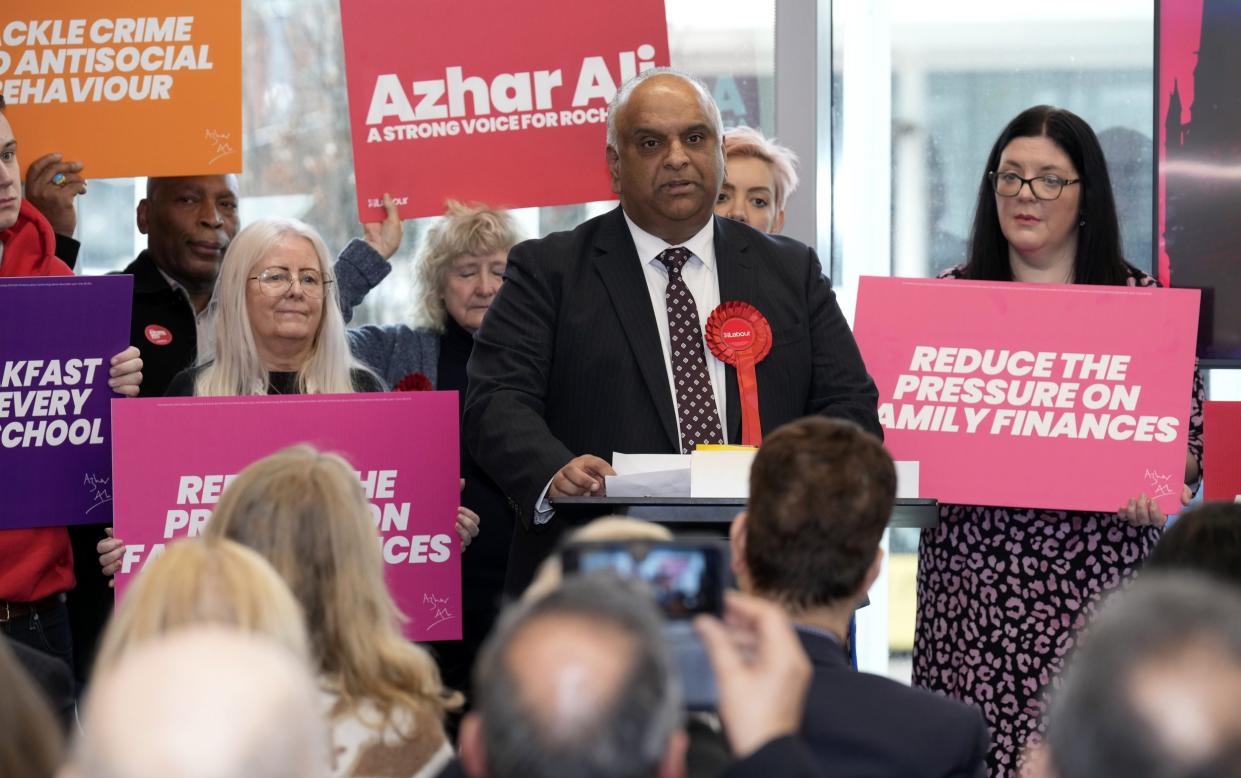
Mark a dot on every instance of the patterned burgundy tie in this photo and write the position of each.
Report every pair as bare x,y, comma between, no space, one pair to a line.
696,412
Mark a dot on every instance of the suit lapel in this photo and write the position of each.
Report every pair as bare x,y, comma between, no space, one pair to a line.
735,272
616,260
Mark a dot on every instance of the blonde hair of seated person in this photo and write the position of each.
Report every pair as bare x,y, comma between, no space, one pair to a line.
199,581
305,511
608,528
31,745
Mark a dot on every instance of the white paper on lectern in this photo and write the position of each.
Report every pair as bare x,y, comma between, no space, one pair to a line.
660,483
648,475
907,480
720,473
630,464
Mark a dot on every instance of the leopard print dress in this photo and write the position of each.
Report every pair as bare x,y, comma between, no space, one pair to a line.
1003,592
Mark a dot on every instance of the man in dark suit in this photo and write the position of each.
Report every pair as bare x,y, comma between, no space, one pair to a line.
576,358
821,492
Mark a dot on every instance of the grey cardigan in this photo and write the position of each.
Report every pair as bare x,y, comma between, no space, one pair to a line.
392,350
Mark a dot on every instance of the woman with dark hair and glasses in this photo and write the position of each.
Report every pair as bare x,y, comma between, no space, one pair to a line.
1003,591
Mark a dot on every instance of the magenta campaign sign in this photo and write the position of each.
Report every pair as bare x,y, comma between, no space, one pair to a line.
1033,395
57,338
174,456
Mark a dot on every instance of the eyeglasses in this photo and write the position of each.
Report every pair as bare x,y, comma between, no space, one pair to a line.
277,281
1009,184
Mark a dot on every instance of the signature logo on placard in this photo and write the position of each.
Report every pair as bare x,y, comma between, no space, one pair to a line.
439,609
220,143
100,490
1161,485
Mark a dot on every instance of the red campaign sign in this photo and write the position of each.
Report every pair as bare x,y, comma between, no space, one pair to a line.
1221,451
488,100
1057,396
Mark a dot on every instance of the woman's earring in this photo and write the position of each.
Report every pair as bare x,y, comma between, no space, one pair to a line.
1081,223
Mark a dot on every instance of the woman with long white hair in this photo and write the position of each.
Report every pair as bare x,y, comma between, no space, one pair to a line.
278,325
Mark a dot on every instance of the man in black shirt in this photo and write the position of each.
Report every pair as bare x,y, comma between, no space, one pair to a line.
189,222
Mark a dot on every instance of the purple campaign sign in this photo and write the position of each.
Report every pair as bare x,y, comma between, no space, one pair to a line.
57,336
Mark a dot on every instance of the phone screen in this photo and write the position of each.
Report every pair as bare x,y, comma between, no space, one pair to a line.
685,578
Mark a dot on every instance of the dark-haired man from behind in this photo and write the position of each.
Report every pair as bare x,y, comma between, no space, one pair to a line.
821,493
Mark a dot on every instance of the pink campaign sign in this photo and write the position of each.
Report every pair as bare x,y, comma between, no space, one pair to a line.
1033,395
173,456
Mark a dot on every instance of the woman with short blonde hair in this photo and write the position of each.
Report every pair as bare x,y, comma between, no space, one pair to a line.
305,511
759,176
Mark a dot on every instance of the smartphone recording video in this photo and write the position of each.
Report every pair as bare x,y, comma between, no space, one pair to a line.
685,576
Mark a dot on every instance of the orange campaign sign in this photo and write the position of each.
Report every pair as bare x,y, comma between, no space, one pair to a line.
126,87
488,100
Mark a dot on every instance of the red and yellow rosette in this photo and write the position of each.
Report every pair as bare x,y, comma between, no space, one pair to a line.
739,335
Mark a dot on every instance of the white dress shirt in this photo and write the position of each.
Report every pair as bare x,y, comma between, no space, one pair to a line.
703,282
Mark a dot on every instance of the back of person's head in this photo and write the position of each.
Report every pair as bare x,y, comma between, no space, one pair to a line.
821,494
577,684
203,702
474,230
610,528
1153,690
1205,539
1099,258
30,739
199,581
306,513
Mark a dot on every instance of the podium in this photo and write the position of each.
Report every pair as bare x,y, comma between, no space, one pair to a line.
710,515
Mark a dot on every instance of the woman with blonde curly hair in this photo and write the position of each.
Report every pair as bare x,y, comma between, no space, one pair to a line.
306,513
459,268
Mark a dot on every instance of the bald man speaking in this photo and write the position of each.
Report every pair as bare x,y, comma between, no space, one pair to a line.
593,328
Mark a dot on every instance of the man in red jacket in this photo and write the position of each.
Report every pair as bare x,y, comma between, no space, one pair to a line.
36,565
